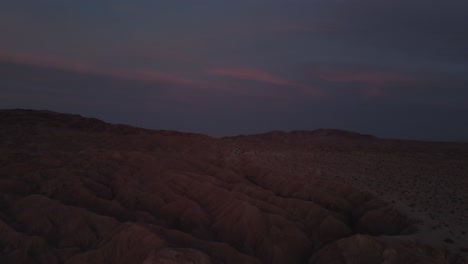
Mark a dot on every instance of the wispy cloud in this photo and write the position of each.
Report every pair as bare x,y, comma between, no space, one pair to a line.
153,52
182,85
373,92
45,61
84,68
302,28
368,81
257,75
356,75
251,74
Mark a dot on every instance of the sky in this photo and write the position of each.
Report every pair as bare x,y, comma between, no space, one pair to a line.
391,68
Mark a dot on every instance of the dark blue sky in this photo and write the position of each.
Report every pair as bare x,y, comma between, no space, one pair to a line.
391,68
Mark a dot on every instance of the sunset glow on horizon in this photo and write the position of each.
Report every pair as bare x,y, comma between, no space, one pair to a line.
390,68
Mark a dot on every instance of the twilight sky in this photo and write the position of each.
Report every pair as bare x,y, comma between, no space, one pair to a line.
392,68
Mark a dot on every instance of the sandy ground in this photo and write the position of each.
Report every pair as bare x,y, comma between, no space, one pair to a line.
442,219
427,184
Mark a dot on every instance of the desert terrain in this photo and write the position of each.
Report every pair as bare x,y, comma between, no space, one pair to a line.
79,190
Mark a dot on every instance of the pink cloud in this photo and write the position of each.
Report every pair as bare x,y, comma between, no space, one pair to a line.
183,85
158,77
373,92
370,83
83,68
361,76
302,28
252,75
44,61
142,51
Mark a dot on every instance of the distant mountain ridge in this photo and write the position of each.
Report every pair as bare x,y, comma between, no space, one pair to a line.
304,135
74,121
94,124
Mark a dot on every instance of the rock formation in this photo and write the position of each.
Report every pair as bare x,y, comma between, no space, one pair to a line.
78,190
